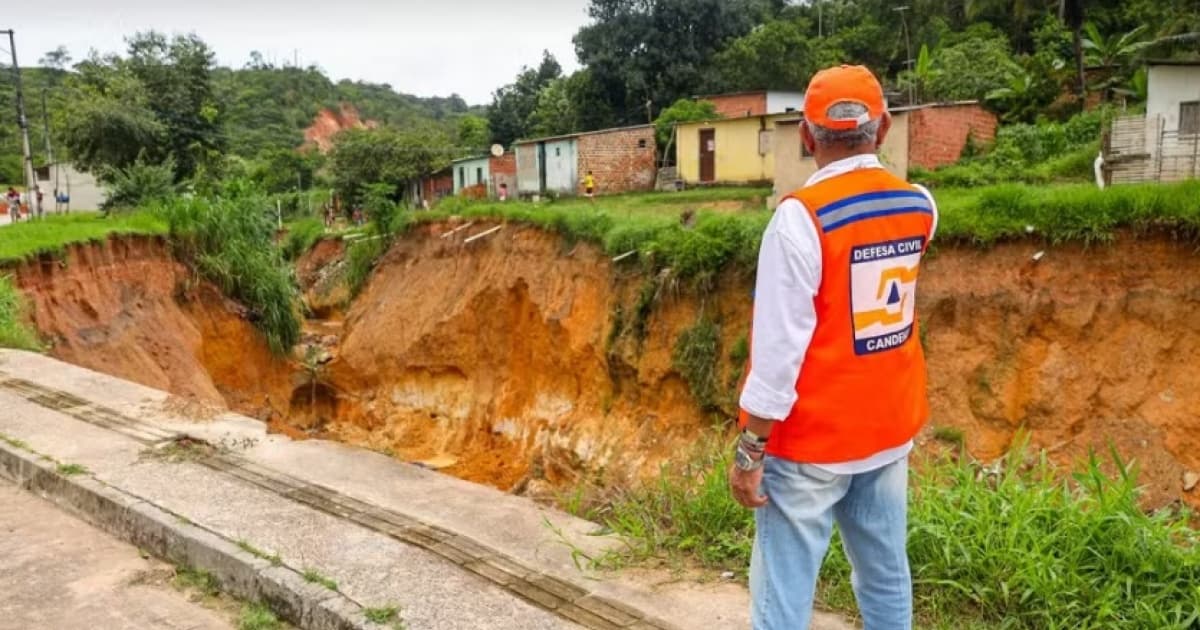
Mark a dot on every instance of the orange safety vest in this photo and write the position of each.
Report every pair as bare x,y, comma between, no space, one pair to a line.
861,388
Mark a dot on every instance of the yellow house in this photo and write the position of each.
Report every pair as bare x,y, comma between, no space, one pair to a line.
764,149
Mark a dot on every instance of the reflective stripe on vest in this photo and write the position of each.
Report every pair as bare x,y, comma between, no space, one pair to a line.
861,388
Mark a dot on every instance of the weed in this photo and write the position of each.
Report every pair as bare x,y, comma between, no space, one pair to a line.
273,558
384,614
695,358
950,435
15,443
301,236
258,616
71,470
1011,546
360,261
15,331
315,577
643,308
199,579
231,242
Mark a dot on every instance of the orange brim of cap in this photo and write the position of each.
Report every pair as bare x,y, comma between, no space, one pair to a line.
843,84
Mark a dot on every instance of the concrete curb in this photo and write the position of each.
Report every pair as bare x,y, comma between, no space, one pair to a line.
176,540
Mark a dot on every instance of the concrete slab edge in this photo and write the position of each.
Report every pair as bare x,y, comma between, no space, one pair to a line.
176,540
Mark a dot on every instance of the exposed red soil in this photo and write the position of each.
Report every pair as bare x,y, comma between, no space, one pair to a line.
493,361
329,123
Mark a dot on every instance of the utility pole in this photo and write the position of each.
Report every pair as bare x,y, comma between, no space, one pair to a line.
35,209
908,52
49,152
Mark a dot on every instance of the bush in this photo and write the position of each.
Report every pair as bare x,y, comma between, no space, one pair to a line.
231,242
14,331
1011,546
360,262
695,358
139,184
301,236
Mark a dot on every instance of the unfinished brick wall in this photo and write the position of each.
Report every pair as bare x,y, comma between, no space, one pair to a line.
937,134
622,160
740,105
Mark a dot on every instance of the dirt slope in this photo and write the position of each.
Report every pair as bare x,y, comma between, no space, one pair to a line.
497,362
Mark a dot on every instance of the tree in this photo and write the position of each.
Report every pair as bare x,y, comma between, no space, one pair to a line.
969,69
473,132
555,113
778,55
683,110
387,156
513,104
58,59
646,54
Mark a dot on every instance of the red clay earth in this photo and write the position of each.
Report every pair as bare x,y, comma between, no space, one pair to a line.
493,360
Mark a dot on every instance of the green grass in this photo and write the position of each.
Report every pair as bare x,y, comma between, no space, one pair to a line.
273,558
199,579
15,331
71,470
315,577
694,357
301,236
231,242
950,435
385,614
257,616
54,233
15,443
1013,546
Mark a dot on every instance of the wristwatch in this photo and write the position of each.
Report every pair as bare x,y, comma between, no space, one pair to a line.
746,462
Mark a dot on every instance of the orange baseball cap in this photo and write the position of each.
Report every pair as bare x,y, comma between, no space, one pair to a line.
843,84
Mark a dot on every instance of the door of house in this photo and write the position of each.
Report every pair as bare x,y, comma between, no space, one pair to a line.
541,158
708,155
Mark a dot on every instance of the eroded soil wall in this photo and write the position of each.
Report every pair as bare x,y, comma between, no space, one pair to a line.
518,360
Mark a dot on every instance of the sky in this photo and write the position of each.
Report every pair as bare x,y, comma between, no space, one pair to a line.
426,48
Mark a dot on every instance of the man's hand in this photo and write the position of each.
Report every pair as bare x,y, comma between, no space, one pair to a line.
744,487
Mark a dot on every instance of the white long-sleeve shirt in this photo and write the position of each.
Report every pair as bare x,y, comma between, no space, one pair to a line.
789,277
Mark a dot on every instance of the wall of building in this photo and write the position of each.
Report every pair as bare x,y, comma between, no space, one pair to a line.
504,171
562,175
86,193
527,168
739,158
740,105
469,173
937,134
621,160
437,186
781,102
792,169
1168,87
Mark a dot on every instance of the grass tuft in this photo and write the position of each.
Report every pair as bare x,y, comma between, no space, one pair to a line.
695,358
381,615
273,558
258,616
199,579
15,331
71,470
315,577
1011,545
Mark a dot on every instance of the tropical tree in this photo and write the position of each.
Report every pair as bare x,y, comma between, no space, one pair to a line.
555,113
683,110
514,104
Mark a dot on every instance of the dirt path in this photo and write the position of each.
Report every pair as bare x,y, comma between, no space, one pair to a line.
58,572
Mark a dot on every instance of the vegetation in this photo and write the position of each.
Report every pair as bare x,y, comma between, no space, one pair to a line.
258,616
301,236
231,242
1011,545
199,579
315,577
383,614
70,470
273,558
52,235
15,332
694,357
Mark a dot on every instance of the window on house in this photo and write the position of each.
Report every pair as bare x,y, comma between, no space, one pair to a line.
462,178
1189,118
764,141
557,151
642,143
479,176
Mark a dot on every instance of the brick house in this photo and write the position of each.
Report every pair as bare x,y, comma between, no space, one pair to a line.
937,133
621,160
755,102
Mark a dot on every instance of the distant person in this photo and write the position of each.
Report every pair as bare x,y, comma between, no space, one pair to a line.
589,186
835,389
41,209
13,198
503,195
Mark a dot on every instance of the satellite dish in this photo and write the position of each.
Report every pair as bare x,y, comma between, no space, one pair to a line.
497,150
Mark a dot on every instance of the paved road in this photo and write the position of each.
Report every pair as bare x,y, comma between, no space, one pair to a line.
57,572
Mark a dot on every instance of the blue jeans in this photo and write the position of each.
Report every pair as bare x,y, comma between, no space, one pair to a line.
792,536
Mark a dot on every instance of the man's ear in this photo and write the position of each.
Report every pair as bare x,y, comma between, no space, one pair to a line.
885,125
810,143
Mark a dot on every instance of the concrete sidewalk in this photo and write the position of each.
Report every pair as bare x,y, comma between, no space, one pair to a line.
59,572
449,553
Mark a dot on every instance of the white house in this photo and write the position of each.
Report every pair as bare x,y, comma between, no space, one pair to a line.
1163,145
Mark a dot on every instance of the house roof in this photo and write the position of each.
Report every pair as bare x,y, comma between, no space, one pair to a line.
744,93
580,133
481,156
1173,62
797,115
